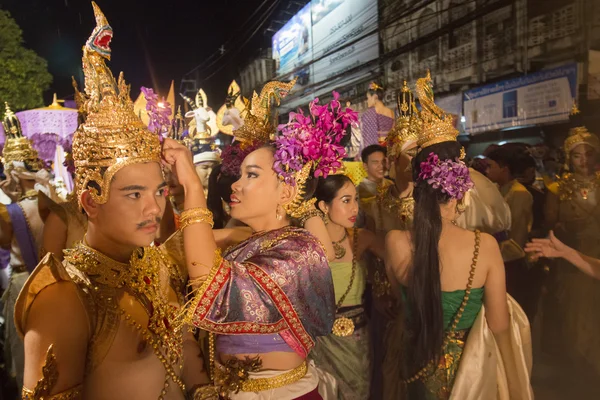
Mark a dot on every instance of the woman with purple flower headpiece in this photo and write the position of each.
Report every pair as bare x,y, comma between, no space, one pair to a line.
459,325
266,300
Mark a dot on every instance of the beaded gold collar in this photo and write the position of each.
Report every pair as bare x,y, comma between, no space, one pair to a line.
141,279
571,185
400,207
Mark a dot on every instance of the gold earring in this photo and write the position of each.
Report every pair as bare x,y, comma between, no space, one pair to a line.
278,214
326,218
460,207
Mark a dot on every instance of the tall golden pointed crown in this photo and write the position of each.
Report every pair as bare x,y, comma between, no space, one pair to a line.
112,136
407,126
579,134
257,115
437,125
17,147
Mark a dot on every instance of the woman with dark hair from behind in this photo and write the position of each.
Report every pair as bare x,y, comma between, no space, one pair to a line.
345,353
452,282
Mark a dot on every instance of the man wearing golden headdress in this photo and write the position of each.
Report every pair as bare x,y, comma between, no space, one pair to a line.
571,320
20,227
102,324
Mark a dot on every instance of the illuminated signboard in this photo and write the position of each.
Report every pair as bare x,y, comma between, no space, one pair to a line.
336,23
292,46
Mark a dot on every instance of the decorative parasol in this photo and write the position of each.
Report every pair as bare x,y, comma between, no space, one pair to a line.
48,127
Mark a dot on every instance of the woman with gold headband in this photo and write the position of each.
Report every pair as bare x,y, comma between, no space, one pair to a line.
571,321
267,300
102,323
456,317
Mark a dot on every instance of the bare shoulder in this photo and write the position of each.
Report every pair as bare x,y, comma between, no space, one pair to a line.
397,237
398,242
489,250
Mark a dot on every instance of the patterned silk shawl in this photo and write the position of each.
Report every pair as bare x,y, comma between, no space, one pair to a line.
275,282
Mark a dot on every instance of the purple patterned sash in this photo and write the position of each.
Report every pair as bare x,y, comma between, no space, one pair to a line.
23,235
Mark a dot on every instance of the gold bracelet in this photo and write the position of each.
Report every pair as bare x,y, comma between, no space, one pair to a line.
310,214
195,212
195,216
199,220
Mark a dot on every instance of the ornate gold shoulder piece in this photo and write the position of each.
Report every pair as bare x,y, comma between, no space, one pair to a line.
438,125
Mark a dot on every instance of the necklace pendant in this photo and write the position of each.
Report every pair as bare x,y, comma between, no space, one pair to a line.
584,193
339,251
343,327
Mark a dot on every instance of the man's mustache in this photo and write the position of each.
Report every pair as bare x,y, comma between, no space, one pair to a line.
149,222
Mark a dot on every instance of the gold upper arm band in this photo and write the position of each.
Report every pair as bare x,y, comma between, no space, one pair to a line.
49,378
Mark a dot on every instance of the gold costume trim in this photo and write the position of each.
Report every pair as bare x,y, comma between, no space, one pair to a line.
236,378
570,185
48,381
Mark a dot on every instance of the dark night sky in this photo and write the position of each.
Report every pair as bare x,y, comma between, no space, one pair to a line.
153,41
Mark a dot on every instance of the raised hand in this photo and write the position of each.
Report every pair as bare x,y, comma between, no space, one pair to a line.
549,248
180,159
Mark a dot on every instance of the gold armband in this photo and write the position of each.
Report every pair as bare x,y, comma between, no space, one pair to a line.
196,215
49,378
310,214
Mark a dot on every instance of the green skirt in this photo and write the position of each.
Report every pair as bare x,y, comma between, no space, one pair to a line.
348,358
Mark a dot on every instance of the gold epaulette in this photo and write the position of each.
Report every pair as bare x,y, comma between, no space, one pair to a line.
48,272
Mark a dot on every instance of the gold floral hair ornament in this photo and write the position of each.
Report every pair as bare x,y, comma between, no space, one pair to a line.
578,135
17,147
298,206
257,126
438,125
406,128
113,136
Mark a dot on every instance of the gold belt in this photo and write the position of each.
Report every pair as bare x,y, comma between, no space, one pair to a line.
261,384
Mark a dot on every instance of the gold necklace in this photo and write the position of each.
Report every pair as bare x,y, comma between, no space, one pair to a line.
343,326
570,185
141,279
338,249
